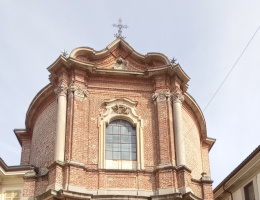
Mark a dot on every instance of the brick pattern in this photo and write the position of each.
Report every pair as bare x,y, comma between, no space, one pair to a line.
26,149
40,185
197,189
29,187
121,181
207,192
205,158
192,144
166,179
43,139
163,133
82,136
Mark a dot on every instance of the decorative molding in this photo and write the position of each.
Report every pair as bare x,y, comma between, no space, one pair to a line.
120,64
61,90
121,109
177,97
78,91
161,96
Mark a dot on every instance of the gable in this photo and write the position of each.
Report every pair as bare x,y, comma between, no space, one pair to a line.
119,55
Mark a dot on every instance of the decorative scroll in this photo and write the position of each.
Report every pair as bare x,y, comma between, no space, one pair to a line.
177,97
121,109
61,90
161,96
78,91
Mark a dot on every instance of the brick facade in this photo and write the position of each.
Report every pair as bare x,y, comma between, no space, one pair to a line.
90,79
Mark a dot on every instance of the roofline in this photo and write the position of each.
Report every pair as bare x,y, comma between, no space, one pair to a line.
239,167
14,168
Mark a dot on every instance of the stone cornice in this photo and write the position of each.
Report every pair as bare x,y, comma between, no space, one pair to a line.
165,69
93,55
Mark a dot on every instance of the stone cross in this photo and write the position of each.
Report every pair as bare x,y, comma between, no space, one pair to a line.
120,26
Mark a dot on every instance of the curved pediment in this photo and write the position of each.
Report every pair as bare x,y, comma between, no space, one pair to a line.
119,55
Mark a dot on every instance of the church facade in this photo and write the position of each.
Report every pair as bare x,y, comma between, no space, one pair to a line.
115,124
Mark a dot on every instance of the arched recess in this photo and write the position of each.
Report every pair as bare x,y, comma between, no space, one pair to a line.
120,108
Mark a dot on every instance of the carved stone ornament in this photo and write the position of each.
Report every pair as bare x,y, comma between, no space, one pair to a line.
78,91
121,109
61,90
177,97
120,64
161,96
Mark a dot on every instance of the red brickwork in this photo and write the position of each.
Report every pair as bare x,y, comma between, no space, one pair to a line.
29,187
207,191
80,168
192,143
26,148
41,185
43,139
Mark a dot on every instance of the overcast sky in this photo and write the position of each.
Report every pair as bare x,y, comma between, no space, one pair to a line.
206,37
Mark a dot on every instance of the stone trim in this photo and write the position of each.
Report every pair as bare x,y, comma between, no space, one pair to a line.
177,97
78,91
61,90
120,108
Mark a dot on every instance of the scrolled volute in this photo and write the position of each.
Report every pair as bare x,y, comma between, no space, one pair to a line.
177,97
161,96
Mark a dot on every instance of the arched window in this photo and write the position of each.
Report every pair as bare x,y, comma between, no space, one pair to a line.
120,141
120,136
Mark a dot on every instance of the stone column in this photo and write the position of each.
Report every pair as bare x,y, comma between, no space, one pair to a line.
177,99
61,92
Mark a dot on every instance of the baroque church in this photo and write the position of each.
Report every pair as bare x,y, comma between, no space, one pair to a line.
112,124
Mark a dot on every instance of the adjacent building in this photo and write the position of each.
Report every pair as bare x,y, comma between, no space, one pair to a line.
243,183
115,124
12,180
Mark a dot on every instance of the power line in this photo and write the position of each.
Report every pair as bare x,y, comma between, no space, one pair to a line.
231,69
227,76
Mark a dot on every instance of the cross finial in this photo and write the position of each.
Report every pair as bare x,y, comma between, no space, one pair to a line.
120,26
64,53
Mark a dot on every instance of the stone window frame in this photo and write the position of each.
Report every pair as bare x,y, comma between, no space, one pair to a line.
120,108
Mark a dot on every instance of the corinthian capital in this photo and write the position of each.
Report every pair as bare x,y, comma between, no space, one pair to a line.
161,96
61,90
78,91
177,97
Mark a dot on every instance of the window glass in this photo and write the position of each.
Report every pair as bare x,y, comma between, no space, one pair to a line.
120,141
12,195
249,191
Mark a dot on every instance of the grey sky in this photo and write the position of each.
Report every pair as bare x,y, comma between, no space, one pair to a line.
206,37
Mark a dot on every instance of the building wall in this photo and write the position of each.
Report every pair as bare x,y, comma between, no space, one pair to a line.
81,170
10,184
192,143
43,138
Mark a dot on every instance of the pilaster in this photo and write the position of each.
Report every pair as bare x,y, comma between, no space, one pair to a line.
161,98
77,117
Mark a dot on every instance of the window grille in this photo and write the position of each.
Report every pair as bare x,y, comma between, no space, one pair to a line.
120,141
